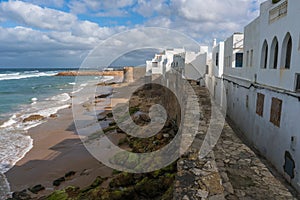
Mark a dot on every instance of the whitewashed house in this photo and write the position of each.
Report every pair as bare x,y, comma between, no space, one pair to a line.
262,80
195,64
163,62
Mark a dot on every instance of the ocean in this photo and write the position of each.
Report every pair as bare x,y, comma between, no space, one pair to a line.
24,92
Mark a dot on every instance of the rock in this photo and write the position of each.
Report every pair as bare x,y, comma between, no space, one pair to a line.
213,183
53,116
202,194
33,118
145,117
21,195
101,117
36,189
228,187
69,174
224,177
185,197
58,181
101,96
217,197
159,136
166,135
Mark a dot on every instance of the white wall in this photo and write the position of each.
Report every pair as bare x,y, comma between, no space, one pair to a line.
280,78
195,66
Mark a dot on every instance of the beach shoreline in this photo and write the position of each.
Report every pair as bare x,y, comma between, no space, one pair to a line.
57,150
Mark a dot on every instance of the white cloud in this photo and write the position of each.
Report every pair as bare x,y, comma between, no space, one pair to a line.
100,8
36,16
48,3
42,29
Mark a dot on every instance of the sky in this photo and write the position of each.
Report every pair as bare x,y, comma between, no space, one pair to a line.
61,33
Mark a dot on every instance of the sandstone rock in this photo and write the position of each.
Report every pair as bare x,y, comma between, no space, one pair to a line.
33,118
53,116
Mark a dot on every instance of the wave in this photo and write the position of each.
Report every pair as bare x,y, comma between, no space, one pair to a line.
14,143
26,74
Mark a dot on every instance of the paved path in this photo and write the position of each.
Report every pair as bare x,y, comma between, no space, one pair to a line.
231,171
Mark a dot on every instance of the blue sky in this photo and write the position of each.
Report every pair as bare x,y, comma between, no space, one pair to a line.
58,33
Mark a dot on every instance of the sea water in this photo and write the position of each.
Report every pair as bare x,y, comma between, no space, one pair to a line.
25,92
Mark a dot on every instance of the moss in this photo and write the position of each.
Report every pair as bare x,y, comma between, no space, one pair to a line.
114,172
97,182
127,193
58,195
110,128
133,110
113,123
168,195
109,115
94,136
123,141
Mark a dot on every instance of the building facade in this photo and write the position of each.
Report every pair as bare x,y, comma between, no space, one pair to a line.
260,79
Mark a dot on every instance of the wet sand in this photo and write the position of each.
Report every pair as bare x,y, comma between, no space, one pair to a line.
57,150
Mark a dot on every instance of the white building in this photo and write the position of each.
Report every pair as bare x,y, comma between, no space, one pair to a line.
191,65
263,96
163,62
195,64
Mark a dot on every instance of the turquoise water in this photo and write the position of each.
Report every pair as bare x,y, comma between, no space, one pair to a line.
24,92
19,86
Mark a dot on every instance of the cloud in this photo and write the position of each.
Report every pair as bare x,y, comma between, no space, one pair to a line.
199,19
36,16
61,29
114,8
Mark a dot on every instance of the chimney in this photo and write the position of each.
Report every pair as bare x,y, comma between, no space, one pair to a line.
215,42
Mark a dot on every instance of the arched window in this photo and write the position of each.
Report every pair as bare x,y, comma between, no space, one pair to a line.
264,55
286,51
274,54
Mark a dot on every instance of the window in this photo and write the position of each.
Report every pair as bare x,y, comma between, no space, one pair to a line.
274,54
217,59
297,89
239,60
289,164
247,101
286,51
276,111
264,55
260,104
278,12
247,59
251,58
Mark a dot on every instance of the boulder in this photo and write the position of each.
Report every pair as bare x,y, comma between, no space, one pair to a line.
33,118
69,174
36,189
58,181
21,195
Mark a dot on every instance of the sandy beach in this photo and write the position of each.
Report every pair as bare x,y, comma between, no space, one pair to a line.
56,151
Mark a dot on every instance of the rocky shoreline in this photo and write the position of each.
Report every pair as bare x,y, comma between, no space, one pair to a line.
120,185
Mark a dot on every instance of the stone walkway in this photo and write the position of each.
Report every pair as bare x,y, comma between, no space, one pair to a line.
231,171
